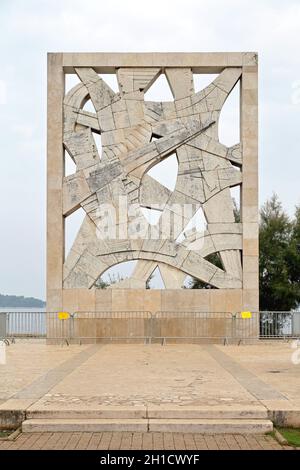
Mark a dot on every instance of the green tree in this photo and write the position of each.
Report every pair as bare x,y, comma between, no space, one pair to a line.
236,211
293,253
195,283
214,258
148,282
112,279
279,257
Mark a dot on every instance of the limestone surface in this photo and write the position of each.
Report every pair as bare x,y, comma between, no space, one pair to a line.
137,134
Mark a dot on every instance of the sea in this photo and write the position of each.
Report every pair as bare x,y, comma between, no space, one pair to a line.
22,321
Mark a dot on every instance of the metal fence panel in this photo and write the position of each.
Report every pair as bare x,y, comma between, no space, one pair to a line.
296,324
3,332
193,325
276,324
140,325
105,325
26,324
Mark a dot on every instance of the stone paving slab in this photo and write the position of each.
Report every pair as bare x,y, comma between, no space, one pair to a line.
40,386
140,441
271,362
28,360
257,387
135,375
40,378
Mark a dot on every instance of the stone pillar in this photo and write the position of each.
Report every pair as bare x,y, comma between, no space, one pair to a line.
55,173
249,203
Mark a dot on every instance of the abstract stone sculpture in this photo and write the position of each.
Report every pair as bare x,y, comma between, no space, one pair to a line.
136,134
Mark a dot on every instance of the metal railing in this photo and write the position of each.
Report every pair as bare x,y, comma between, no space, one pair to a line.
105,325
22,324
194,326
279,325
148,327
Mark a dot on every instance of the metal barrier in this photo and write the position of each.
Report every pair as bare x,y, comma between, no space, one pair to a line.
195,326
145,326
23,324
105,326
3,332
279,325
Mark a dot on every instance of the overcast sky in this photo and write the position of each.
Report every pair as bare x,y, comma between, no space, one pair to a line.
30,28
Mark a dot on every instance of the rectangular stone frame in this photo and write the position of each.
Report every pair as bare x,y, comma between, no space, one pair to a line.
213,300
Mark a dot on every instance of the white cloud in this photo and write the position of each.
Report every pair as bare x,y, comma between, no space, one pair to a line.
296,92
25,131
3,92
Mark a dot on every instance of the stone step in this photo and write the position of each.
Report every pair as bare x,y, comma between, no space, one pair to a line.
156,412
207,412
91,413
84,425
212,426
203,426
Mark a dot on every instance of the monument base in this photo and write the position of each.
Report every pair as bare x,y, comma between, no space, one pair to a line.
142,315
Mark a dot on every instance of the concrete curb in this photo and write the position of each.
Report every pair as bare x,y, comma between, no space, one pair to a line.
279,437
13,436
203,426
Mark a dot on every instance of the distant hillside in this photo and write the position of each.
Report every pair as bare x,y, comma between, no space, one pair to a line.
15,301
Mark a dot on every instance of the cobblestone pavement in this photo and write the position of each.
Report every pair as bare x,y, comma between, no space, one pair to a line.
137,441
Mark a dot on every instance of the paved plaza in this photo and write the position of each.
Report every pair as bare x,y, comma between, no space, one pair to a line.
135,388
140,375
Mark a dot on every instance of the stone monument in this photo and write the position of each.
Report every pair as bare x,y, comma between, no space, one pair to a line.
113,186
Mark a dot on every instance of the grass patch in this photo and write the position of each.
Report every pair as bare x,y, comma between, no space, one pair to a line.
4,434
291,435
